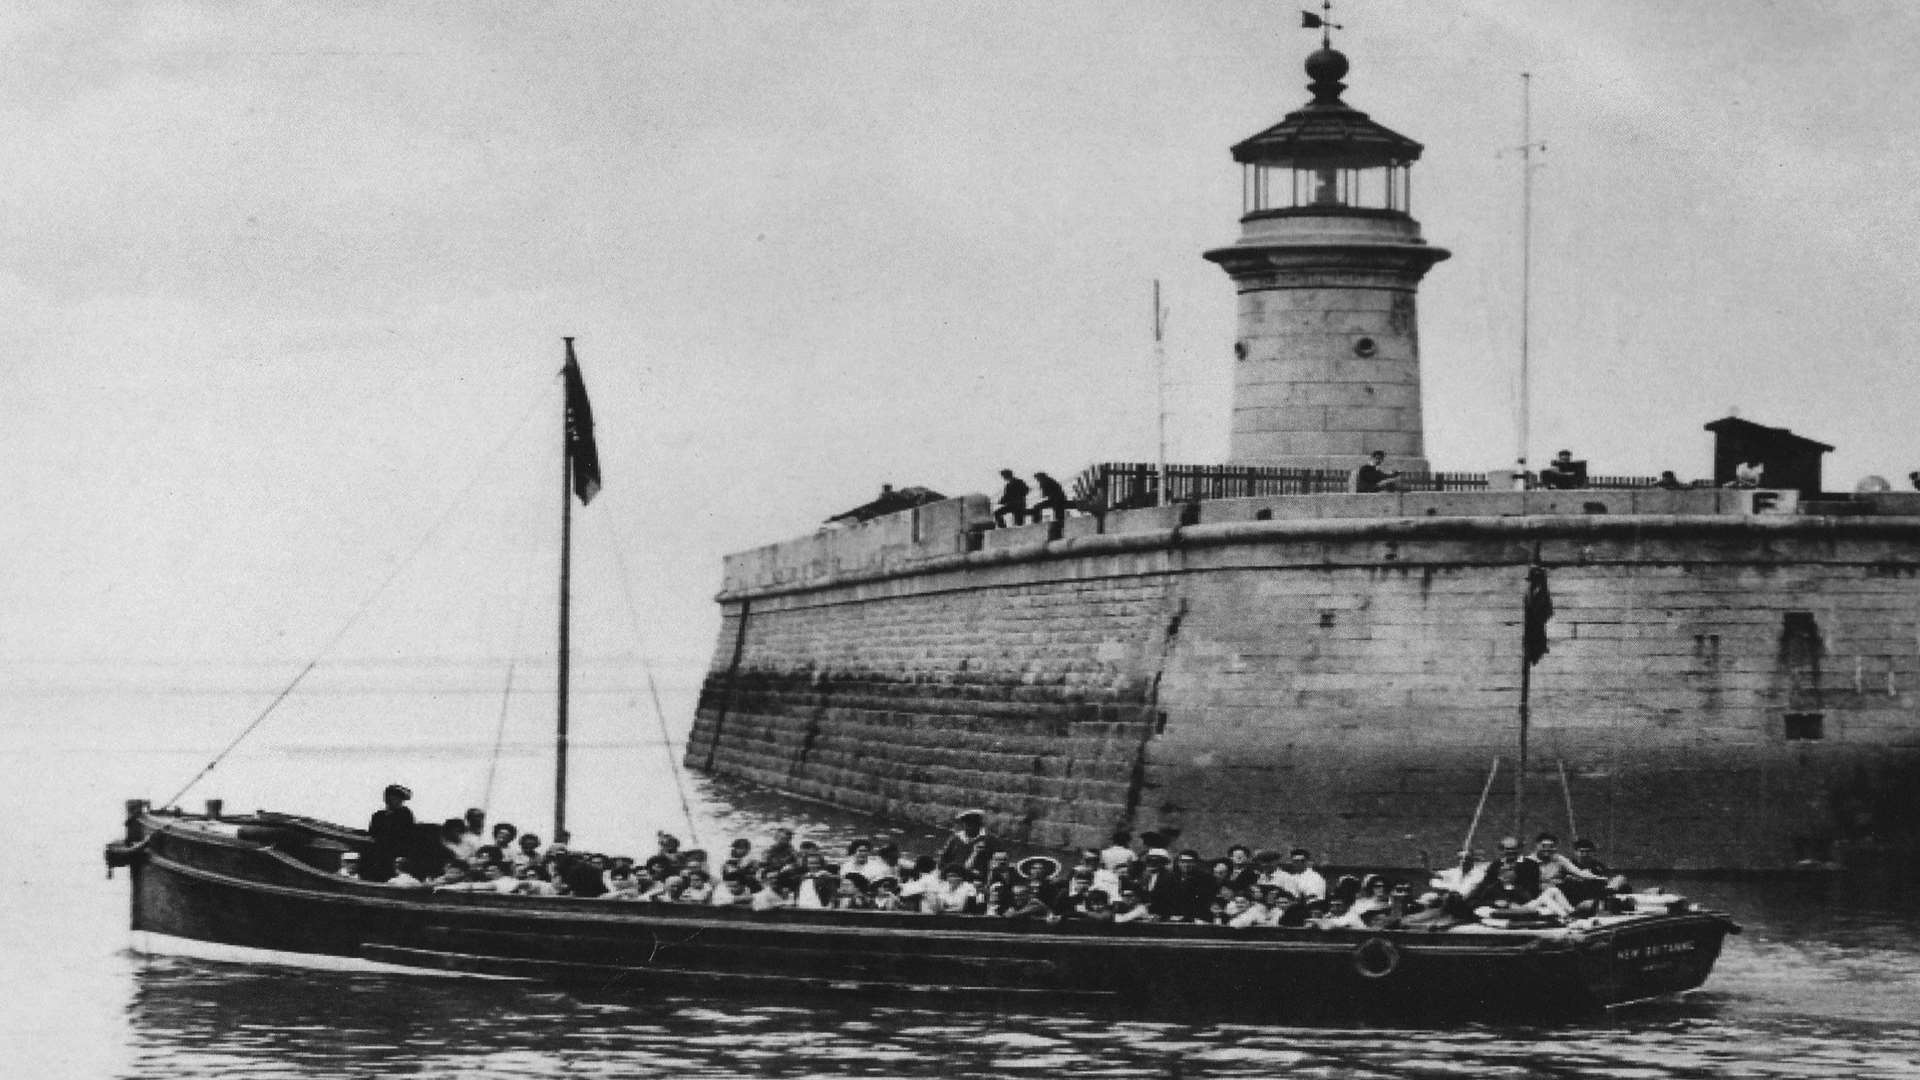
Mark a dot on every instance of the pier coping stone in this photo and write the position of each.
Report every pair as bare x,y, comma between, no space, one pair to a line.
1029,544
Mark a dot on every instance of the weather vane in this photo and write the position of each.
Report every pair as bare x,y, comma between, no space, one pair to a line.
1322,22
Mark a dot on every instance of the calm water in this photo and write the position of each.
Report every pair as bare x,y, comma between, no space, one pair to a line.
1825,982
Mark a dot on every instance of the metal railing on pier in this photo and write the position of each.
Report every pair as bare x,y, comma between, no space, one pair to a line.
1116,485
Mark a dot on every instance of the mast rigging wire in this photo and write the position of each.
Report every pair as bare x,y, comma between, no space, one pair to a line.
446,513
653,688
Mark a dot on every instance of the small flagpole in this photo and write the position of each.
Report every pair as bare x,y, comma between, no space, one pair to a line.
566,571
1160,383
1527,147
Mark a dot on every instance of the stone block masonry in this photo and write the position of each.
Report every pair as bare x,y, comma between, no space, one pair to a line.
1723,690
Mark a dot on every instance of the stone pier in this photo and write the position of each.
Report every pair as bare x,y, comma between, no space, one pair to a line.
1731,685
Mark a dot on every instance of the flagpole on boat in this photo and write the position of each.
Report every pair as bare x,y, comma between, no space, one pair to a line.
580,479
566,595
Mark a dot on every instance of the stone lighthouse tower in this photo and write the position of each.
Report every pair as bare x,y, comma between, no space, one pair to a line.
1327,359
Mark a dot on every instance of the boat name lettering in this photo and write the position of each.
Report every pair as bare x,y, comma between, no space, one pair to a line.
1644,952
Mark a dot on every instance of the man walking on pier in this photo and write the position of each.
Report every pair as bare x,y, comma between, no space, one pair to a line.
1013,500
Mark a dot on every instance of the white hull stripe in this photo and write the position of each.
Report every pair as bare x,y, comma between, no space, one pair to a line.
148,943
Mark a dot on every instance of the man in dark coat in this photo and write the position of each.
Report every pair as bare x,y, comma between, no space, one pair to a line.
391,830
970,847
1013,500
1052,497
1159,888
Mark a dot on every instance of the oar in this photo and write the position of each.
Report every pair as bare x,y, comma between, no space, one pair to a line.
1467,845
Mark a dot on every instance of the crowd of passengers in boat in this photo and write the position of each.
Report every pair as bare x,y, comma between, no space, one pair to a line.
1130,880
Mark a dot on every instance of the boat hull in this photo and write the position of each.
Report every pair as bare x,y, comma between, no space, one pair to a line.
203,887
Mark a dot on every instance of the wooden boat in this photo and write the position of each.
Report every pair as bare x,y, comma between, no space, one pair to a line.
266,885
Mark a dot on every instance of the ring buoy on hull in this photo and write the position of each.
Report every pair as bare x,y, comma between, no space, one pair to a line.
1376,958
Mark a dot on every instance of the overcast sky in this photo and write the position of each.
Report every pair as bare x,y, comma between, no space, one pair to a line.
285,283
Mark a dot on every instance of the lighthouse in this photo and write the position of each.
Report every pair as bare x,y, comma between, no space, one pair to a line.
1327,351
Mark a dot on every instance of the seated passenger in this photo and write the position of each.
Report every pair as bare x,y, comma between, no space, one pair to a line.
774,892
1073,896
668,847
528,882
1298,879
914,885
1527,871
1096,908
886,896
954,895
526,850
1507,891
453,838
580,877
503,837
861,860
699,888
1131,908
1023,906
1439,910
473,829
1560,872
888,856
1591,894
451,874
1118,852
1242,874
1333,915
739,857
732,890
850,895
619,875
1244,912
781,851
486,879
1372,902
816,891
1401,904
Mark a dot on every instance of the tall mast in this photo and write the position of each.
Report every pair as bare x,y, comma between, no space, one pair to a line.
1160,386
566,596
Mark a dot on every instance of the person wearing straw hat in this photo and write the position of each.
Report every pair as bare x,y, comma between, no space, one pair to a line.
970,847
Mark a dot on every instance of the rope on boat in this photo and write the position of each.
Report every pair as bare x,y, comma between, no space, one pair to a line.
499,740
1566,792
1467,844
653,687
452,505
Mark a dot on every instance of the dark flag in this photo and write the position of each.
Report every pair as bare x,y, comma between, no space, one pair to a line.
1310,21
581,451
1539,610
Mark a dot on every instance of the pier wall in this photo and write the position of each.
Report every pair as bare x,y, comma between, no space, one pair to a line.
1731,685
